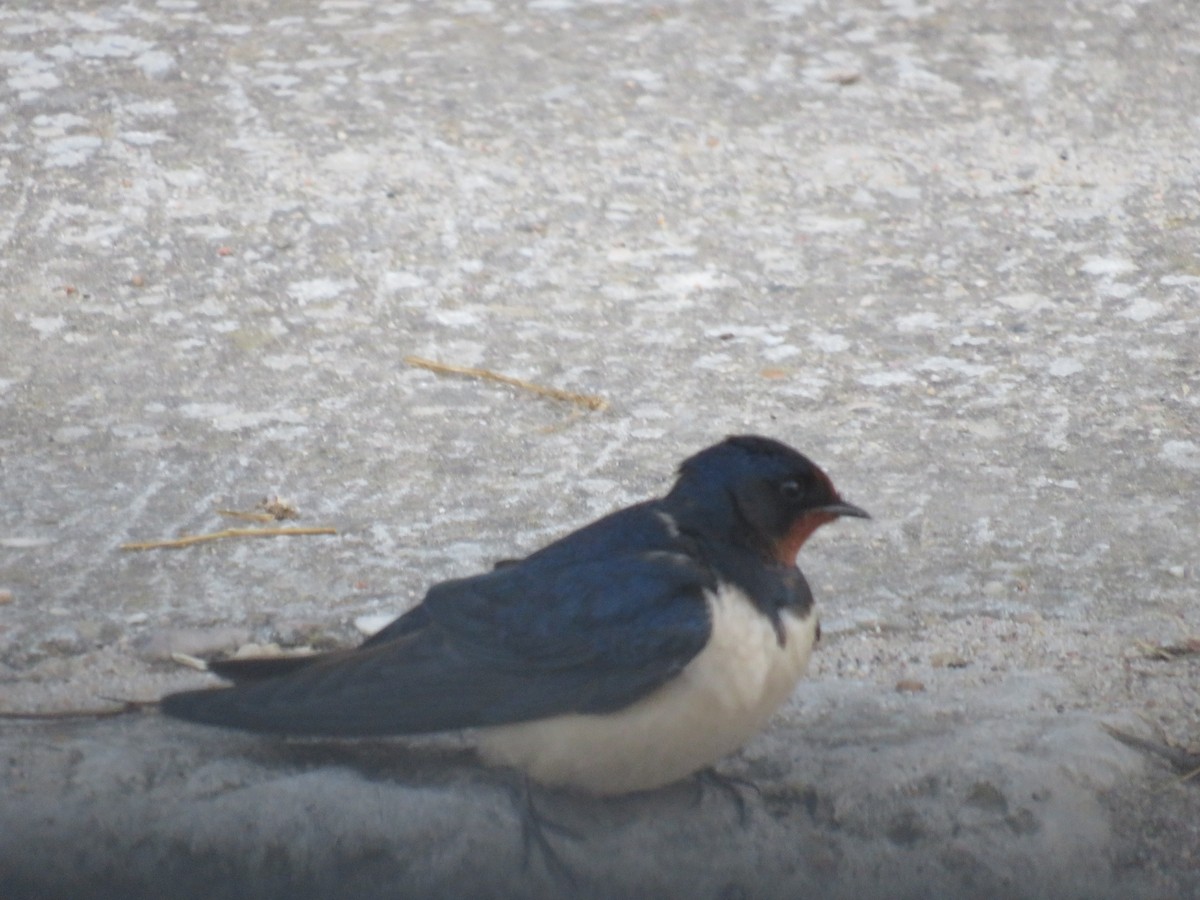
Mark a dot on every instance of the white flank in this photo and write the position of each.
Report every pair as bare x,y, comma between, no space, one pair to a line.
721,699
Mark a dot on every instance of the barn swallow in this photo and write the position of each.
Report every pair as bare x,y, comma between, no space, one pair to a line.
625,656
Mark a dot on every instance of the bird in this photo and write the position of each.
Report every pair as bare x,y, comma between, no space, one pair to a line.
630,654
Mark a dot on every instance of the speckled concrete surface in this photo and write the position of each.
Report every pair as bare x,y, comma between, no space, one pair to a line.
948,249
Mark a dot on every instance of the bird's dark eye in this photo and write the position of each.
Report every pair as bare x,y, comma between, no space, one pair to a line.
790,490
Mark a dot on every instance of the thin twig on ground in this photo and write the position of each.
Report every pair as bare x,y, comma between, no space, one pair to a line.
587,401
189,540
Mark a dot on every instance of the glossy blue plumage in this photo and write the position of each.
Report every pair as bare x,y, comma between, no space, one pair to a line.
589,624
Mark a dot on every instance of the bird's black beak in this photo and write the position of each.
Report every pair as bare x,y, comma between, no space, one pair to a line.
842,508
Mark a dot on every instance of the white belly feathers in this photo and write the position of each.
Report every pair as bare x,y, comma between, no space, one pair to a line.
723,697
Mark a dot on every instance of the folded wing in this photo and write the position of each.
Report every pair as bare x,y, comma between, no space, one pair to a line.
525,641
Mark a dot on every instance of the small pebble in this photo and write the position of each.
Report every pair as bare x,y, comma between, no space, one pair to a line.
257,650
845,77
192,662
373,622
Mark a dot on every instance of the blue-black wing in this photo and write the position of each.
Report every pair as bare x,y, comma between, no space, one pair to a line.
557,632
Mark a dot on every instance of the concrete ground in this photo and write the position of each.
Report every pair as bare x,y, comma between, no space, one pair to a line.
946,248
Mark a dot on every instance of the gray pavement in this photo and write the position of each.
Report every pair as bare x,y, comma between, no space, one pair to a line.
947,249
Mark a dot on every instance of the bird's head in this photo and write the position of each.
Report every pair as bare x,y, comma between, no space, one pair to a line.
759,492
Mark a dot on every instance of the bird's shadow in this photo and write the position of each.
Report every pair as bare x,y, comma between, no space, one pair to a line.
559,828
453,764
401,763
567,835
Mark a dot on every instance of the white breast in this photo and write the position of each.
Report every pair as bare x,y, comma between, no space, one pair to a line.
722,697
